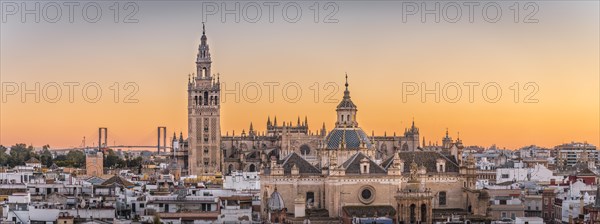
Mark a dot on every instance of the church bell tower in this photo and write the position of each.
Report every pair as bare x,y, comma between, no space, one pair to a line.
204,109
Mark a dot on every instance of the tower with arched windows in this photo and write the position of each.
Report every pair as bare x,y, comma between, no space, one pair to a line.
204,109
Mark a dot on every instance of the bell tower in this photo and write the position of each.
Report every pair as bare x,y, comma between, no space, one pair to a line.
204,110
203,60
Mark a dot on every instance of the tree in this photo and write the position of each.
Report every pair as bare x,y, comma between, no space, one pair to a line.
46,156
135,163
3,156
112,160
74,158
20,153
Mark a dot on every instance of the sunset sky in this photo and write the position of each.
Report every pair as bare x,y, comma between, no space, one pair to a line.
370,42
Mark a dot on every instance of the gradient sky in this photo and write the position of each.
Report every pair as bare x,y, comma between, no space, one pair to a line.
380,52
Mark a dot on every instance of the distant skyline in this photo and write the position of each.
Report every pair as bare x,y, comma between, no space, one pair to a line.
554,62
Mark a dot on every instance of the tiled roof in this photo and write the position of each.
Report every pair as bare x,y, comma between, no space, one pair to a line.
352,165
303,166
370,211
346,103
95,180
117,180
352,138
33,160
275,202
54,166
387,162
428,159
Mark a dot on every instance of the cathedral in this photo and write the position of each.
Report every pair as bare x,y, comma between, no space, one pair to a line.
342,173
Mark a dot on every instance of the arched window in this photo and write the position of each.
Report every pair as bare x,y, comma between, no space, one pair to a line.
216,100
423,213
252,168
230,169
442,198
304,149
348,117
413,218
195,100
205,98
199,100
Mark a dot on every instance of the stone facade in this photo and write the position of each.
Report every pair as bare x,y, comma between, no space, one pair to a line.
407,186
204,109
341,173
94,164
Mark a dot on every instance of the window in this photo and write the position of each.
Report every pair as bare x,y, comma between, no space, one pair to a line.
206,98
366,194
142,205
423,213
442,198
505,176
503,215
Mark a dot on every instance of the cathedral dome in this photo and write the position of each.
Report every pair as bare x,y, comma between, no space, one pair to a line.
347,138
275,202
347,134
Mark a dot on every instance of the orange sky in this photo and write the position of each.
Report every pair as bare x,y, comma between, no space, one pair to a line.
560,54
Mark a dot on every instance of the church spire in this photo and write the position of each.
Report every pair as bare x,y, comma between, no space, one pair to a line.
346,92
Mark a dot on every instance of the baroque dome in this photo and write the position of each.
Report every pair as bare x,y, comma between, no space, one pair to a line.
347,138
275,202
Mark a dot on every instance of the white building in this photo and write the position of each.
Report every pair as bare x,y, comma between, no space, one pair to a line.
538,173
242,181
529,220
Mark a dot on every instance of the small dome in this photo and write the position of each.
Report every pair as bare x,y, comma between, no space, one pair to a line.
275,202
347,138
346,103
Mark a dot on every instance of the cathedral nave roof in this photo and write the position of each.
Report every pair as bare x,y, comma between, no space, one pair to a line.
304,167
352,165
428,159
